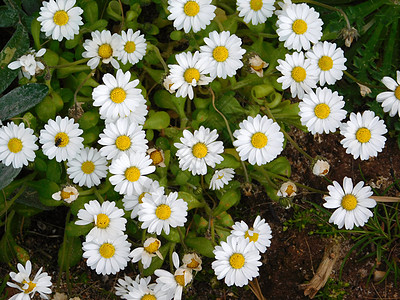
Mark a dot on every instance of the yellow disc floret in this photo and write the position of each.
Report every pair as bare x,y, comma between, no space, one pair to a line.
299,74
193,264
14,145
363,135
220,53
180,279
256,4
153,247
325,63
156,157
130,47
322,111
132,174
190,74
199,150
163,211
105,51
252,238
31,286
397,92
191,8
88,167
107,250
102,221
123,142
349,202
118,95
61,139
61,18
148,297
299,26
259,140
66,195
236,260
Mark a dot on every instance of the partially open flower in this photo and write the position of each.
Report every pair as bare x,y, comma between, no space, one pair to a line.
321,167
69,194
349,34
167,83
288,189
157,156
364,90
257,65
192,261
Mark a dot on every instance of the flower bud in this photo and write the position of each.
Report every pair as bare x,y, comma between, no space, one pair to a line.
256,65
321,167
288,189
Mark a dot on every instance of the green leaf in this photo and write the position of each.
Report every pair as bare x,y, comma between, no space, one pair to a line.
53,172
281,166
7,244
77,230
70,253
227,200
158,120
156,262
190,200
228,104
229,162
7,174
21,99
201,245
15,48
8,17
225,219
173,235
46,189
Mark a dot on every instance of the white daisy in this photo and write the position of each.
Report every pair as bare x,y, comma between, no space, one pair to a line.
159,212
287,189
87,168
132,47
188,73
222,54
124,286
322,111
108,256
28,63
132,202
321,167
390,100
259,234
61,139
192,261
69,194
60,19
191,14
221,178
236,260
199,150
298,74
103,46
146,253
129,172
363,135
146,291
107,218
329,60
259,140
17,145
352,203
298,25
118,96
157,156
256,11
137,115
41,283
122,137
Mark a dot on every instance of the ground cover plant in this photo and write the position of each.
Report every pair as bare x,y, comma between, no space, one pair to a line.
195,149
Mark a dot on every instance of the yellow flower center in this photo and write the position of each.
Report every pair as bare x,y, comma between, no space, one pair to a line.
220,176
153,247
156,157
123,142
257,68
236,261
61,18
105,51
118,95
30,288
130,47
88,167
259,140
325,63
190,74
199,150
132,174
140,199
191,8
322,111
163,211
289,190
299,74
363,135
349,202
61,139
107,250
397,92
299,26
256,4
14,145
252,238
180,279
148,297
193,264
66,195
220,53
102,221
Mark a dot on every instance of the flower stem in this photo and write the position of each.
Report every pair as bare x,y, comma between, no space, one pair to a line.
78,62
181,237
98,195
158,54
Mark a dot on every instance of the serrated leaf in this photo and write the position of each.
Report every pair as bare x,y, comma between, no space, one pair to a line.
201,245
190,200
7,174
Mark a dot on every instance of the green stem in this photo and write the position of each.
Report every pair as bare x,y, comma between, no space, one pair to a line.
182,239
212,231
11,202
360,82
87,192
91,73
63,252
158,54
171,251
98,195
78,62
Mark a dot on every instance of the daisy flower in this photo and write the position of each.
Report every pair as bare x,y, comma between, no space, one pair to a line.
352,203
191,14
363,135
69,194
329,60
17,145
192,261
122,137
322,111
391,100
256,65
87,168
157,156
236,260
167,84
198,150
103,46
28,63
118,96
259,234
222,54
259,140
124,286
107,218
132,47
298,25
136,115
132,202
288,189
221,178
129,172
159,212
107,256
188,73
147,252
41,283
61,139
145,291
298,74
321,167
256,11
